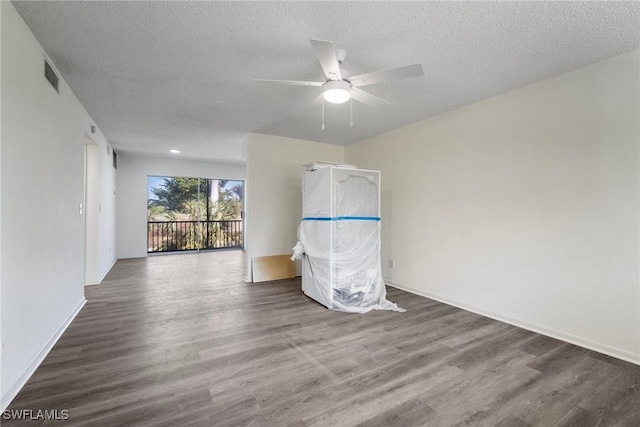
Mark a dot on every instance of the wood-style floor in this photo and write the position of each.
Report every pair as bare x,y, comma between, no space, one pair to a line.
182,340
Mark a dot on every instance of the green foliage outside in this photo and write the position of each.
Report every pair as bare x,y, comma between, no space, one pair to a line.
174,193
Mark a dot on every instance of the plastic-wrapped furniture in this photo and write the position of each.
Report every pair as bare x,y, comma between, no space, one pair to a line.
339,239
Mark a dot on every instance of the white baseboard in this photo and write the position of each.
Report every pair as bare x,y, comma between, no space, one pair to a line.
107,270
618,353
104,274
40,356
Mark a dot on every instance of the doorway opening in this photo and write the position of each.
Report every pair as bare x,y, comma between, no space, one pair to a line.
186,214
90,208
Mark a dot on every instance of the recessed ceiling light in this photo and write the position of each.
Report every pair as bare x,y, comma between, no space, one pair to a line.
174,151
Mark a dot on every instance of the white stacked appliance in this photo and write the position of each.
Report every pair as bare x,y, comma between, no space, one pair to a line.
340,239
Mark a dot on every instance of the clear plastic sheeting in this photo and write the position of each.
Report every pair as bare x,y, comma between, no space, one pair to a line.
339,240
319,165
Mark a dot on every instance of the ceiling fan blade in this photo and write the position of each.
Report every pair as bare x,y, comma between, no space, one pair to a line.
399,73
326,54
291,82
367,98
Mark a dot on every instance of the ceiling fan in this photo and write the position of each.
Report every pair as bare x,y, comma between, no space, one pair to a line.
339,87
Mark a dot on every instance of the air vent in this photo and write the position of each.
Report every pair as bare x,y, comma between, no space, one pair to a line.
50,75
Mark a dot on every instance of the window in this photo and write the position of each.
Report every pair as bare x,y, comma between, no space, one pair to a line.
193,213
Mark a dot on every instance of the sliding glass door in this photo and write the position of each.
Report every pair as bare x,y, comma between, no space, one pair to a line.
193,213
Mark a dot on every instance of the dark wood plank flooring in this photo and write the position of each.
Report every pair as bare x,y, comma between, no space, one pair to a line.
182,340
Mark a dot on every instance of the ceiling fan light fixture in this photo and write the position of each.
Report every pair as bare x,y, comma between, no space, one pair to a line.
337,92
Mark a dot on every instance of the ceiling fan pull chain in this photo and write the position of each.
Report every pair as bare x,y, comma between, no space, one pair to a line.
351,114
323,113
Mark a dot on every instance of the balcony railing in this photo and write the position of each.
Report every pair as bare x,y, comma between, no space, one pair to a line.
168,236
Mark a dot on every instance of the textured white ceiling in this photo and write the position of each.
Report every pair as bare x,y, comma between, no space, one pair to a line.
158,75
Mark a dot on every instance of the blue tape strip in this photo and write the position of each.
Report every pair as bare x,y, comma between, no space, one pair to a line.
342,218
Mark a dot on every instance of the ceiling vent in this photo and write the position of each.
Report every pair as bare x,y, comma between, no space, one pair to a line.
50,75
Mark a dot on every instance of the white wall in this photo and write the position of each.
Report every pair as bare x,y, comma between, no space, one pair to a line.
274,191
525,206
3,400
43,137
132,193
